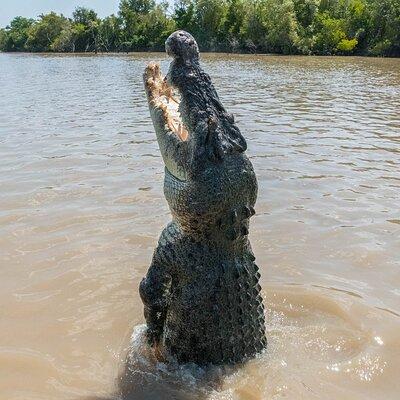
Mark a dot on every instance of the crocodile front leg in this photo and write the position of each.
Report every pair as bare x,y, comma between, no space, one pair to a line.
154,291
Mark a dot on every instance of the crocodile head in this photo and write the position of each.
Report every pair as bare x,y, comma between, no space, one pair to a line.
208,178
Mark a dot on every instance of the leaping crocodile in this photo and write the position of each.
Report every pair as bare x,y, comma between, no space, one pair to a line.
201,295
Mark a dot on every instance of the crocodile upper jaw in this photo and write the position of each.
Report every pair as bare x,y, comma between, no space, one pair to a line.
164,109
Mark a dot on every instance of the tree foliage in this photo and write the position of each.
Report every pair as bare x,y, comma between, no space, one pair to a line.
15,35
43,33
324,27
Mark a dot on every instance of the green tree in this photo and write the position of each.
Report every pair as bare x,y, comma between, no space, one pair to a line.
65,41
184,15
254,29
209,19
131,13
331,37
233,24
385,16
84,16
272,26
305,12
3,39
86,26
145,25
44,32
281,26
156,27
136,6
109,33
15,35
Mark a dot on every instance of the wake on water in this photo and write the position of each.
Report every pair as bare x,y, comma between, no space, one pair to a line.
322,344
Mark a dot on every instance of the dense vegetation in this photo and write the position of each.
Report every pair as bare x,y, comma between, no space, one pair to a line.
279,26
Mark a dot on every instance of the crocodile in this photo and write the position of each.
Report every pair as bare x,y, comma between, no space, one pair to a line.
202,298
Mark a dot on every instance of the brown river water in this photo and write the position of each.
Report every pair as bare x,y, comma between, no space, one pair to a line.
81,208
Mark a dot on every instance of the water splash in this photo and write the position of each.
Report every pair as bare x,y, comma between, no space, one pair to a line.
316,338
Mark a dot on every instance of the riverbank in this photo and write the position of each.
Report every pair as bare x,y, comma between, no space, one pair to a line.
367,27
216,53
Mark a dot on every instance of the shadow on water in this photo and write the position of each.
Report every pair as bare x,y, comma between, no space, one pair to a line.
144,378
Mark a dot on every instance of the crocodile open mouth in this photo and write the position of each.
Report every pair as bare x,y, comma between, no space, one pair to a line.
162,96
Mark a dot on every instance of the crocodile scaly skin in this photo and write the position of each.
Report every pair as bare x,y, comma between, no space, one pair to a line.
202,295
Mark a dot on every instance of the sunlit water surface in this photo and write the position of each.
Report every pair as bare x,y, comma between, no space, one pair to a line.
81,207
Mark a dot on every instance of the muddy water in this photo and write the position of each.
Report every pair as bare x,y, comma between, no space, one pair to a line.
81,206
